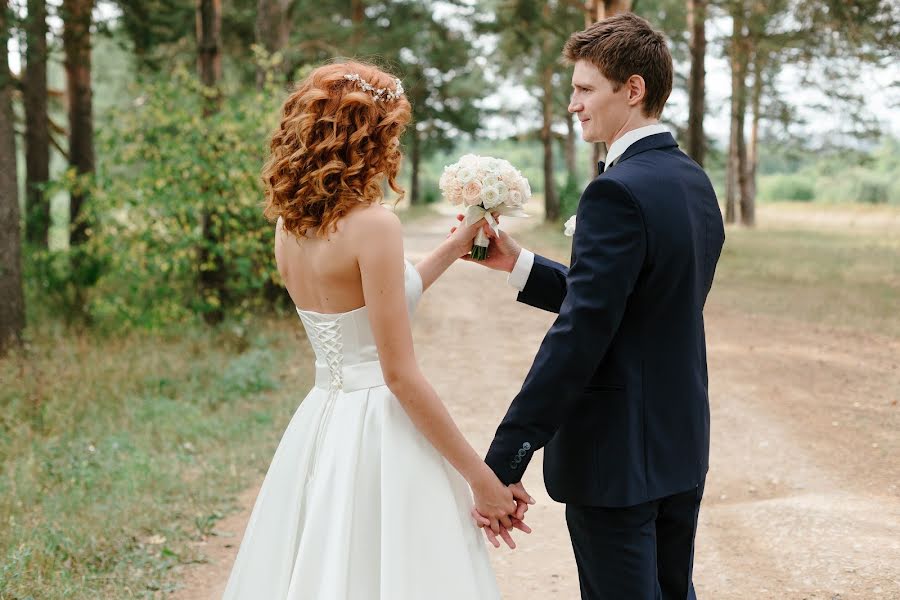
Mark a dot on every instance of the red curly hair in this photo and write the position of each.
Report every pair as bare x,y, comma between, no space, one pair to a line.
333,148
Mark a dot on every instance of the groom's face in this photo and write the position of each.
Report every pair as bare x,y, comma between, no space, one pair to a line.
601,110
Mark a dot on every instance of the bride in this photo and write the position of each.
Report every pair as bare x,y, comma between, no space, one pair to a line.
366,496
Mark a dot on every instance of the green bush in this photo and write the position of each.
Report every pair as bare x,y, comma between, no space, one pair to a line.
793,188
872,191
894,191
569,195
163,167
858,184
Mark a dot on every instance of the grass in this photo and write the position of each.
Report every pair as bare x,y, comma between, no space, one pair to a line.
116,453
813,270
844,280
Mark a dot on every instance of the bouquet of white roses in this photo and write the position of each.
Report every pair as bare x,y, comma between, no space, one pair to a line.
485,185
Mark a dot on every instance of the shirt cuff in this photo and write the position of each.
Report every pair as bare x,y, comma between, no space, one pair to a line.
518,277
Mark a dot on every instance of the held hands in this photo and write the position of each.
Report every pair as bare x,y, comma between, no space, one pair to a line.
503,251
499,509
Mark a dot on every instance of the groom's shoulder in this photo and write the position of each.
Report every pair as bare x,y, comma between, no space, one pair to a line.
654,168
606,184
606,196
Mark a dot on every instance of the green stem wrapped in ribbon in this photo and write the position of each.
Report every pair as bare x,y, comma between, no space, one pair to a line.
477,212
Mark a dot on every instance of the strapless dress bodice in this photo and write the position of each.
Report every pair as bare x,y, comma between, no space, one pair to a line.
344,345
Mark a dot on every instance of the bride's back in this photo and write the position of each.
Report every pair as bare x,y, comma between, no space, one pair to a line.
321,274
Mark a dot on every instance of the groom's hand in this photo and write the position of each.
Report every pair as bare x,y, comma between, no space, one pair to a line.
485,524
503,251
523,499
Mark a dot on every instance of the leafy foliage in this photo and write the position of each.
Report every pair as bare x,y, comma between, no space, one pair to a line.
162,165
829,177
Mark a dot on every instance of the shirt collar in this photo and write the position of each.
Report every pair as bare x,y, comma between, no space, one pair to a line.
618,147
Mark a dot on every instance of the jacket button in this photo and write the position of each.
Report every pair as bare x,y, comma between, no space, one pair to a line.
527,446
513,465
522,452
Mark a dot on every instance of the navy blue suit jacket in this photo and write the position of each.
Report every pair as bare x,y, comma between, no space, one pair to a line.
618,390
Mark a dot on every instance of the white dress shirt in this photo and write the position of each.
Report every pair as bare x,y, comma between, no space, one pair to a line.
518,277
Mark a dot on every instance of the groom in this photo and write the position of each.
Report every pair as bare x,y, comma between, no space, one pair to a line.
618,390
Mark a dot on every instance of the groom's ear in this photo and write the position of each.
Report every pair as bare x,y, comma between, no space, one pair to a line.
637,90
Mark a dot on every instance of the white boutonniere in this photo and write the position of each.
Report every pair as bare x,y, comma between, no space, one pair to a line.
570,227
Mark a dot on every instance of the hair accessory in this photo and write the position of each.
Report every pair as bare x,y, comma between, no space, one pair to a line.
378,93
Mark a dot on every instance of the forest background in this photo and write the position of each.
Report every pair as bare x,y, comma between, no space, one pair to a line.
137,284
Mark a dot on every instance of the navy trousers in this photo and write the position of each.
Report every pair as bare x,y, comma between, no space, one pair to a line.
643,552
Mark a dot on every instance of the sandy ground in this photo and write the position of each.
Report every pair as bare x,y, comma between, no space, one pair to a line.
803,495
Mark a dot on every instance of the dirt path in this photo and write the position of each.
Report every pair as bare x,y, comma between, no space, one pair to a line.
802,500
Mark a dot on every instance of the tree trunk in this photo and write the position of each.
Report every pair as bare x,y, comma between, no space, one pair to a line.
12,306
614,7
696,142
209,41
37,130
595,10
209,67
415,158
272,30
263,31
358,16
77,45
569,149
736,176
748,194
551,200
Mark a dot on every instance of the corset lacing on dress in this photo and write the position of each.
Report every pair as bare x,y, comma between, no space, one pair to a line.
327,342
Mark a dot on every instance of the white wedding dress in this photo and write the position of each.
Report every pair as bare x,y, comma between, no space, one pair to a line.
357,504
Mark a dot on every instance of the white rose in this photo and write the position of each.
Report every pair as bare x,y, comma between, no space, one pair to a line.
465,175
570,226
503,190
515,197
469,160
490,196
445,181
471,193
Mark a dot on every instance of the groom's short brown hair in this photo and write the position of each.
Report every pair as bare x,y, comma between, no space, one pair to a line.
626,45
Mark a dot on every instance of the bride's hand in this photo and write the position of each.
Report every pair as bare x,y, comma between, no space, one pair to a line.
484,524
462,236
503,251
493,500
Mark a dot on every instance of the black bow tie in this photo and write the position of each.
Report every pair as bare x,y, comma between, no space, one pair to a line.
600,166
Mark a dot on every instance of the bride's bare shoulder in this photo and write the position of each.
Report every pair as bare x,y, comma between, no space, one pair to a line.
374,219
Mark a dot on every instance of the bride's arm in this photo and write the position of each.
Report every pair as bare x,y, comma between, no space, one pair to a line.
448,252
379,253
